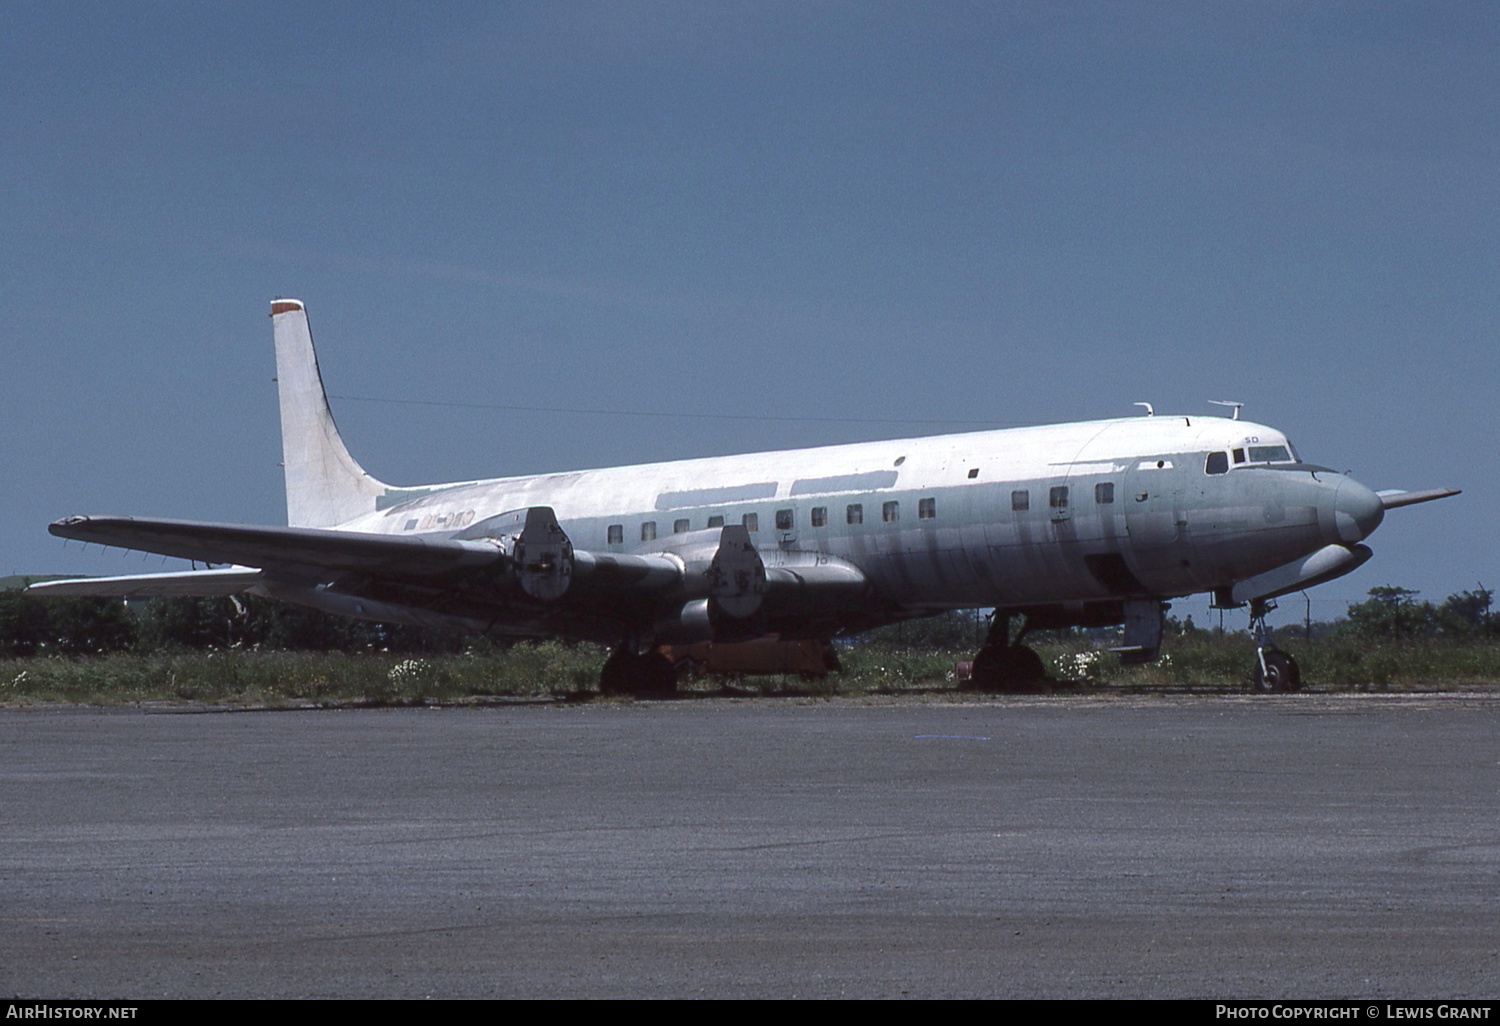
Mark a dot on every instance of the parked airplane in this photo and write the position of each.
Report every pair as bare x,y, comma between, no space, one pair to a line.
1086,524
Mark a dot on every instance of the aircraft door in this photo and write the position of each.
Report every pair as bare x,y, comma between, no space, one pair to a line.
1156,518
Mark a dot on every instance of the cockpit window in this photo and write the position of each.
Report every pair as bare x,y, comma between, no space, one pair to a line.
1218,463
1270,454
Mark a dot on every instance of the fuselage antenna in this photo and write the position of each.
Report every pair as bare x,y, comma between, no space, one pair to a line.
1150,411
1231,403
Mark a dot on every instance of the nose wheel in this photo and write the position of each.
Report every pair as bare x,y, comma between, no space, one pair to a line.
1274,672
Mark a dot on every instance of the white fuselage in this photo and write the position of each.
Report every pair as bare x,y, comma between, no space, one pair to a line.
952,521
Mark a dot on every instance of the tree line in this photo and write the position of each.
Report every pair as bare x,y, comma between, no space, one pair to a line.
1392,612
31,626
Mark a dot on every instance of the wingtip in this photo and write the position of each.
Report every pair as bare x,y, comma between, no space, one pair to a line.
68,527
60,527
281,306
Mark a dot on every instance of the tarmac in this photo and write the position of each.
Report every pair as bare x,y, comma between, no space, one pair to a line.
1223,847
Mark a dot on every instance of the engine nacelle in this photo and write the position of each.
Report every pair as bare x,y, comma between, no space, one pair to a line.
1327,563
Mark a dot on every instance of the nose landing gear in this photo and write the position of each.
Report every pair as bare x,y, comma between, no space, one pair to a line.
1275,671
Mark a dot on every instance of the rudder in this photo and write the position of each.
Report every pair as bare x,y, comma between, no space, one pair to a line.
325,486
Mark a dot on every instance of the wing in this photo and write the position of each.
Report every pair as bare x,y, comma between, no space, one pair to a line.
517,572
288,550
228,581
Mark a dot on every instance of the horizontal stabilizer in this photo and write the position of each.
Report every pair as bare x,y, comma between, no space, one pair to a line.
1391,498
301,551
206,583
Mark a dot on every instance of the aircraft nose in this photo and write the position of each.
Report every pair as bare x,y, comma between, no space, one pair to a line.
1357,511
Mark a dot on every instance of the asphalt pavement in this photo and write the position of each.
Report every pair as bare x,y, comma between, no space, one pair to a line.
1194,846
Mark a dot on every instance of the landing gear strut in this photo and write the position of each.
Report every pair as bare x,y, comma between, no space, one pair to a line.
1275,670
1004,664
649,674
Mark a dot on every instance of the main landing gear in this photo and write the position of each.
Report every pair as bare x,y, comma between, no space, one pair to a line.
648,674
1275,671
1004,664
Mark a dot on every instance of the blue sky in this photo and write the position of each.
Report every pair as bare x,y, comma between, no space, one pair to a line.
881,215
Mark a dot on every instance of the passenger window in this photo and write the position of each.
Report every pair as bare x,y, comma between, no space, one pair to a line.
1218,463
751,522
1058,497
717,520
890,512
783,520
926,509
820,516
855,514
616,534
1020,500
1104,492
973,473
680,526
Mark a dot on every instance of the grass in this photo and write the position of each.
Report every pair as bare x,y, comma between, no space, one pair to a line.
547,669
551,670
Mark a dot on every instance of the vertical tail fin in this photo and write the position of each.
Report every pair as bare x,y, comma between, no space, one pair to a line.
324,484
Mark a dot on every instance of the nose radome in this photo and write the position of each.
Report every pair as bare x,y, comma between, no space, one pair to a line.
1357,511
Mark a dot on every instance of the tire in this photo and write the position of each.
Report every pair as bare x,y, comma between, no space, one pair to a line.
656,675
614,677
1027,665
1009,669
650,675
1279,675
